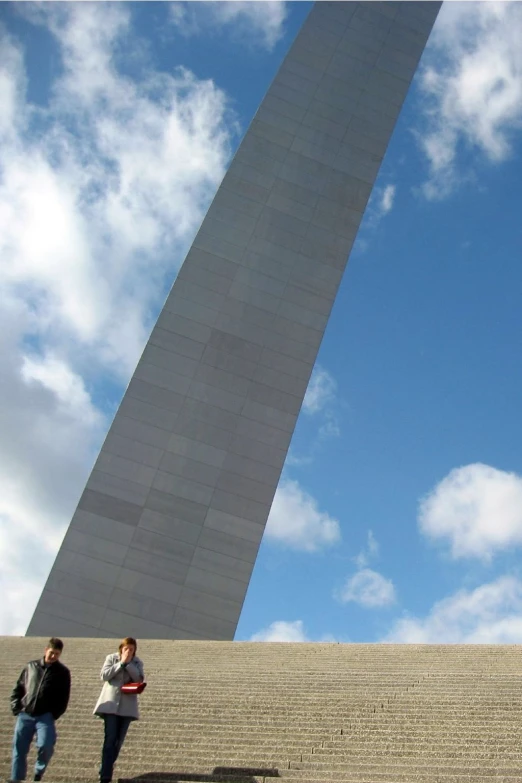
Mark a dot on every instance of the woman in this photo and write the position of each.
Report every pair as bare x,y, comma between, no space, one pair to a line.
116,708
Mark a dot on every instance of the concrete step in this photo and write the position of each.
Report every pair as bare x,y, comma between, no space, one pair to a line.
288,775
315,713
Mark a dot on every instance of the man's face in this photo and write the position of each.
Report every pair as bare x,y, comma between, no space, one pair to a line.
51,655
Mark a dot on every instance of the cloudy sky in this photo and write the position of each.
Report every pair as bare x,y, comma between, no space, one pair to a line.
399,514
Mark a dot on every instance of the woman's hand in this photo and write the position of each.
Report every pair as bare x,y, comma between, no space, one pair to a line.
127,654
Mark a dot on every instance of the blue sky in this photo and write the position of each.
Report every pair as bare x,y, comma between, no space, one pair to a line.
399,513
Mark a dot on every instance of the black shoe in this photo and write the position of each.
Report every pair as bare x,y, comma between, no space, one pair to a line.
37,777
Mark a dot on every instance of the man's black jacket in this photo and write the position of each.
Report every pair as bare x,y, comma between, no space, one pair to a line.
42,688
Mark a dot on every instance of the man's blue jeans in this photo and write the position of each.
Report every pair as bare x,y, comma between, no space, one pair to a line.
25,729
116,727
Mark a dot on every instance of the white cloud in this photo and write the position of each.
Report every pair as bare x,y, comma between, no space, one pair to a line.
472,85
282,631
367,588
247,21
96,211
387,199
320,392
289,631
17,546
370,552
330,427
380,204
68,389
296,521
319,401
476,509
12,87
49,431
293,460
490,614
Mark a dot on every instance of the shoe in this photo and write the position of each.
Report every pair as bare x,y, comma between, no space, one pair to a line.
37,777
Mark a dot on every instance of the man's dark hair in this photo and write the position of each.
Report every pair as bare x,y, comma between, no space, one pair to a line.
55,643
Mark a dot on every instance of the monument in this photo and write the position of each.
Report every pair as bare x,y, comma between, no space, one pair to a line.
166,533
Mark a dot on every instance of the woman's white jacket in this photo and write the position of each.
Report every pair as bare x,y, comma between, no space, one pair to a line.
112,701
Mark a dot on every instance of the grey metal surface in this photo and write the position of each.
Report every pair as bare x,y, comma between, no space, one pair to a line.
166,533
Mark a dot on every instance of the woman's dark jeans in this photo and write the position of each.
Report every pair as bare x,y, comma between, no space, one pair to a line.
116,727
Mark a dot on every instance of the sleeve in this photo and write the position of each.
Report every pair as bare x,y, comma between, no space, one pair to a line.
18,693
135,670
65,692
110,668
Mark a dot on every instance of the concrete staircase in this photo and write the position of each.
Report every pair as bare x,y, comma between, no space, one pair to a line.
250,712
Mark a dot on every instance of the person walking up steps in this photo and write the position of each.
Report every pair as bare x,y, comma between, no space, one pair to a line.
118,708
39,698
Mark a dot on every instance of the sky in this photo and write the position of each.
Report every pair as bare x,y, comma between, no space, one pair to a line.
398,517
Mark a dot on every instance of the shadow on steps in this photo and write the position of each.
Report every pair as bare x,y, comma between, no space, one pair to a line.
219,775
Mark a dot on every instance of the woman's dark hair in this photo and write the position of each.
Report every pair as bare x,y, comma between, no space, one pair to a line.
55,643
127,642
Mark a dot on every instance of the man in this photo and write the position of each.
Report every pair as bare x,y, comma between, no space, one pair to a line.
39,698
